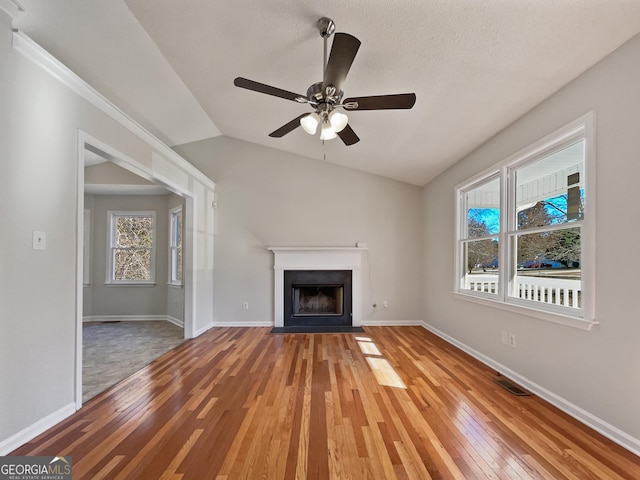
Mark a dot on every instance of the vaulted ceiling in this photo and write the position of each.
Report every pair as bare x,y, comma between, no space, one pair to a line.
475,66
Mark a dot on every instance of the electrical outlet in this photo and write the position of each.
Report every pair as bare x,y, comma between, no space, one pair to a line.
505,337
245,305
512,340
385,304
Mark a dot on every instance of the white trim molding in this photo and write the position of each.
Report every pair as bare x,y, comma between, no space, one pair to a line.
247,323
392,323
32,431
202,330
11,7
133,318
599,425
30,49
317,258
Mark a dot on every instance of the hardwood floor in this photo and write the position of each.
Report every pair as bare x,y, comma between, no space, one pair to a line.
394,402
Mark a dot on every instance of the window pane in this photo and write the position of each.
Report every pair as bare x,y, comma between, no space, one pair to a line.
483,209
176,264
134,232
178,226
132,264
481,273
549,268
176,247
550,191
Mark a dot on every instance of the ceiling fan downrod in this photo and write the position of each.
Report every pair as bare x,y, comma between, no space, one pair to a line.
326,26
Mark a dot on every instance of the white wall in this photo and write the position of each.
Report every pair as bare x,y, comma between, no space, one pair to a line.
37,287
598,371
41,120
270,198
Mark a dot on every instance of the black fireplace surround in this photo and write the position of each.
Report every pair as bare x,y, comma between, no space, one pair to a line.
317,298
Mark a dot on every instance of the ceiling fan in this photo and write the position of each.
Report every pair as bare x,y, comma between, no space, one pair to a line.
326,97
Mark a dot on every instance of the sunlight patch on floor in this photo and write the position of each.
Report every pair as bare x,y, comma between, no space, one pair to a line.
383,371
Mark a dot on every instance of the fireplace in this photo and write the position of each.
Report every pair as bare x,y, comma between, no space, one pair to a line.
314,300
344,303
317,298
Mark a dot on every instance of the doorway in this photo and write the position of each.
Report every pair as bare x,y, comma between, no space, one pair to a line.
120,314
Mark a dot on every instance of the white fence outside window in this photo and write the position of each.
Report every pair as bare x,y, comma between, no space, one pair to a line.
555,291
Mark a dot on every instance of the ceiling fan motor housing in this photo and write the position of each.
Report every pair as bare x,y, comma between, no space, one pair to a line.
317,96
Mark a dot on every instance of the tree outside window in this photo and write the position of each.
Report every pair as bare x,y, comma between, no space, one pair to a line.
131,246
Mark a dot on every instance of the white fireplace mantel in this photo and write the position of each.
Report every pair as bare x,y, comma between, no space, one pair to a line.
317,258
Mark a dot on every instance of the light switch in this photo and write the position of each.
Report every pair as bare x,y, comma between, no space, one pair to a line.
39,240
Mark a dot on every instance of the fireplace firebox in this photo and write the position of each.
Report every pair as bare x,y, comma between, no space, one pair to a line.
317,298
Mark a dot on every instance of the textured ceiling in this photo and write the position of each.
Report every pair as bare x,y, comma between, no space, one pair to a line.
475,66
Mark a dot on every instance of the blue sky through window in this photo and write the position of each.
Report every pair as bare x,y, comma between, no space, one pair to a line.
490,217
556,207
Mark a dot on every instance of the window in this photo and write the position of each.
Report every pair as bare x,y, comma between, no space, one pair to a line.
480,236
525,228
131,247
175,246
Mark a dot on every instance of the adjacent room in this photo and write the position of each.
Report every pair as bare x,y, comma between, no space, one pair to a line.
320,240
132,243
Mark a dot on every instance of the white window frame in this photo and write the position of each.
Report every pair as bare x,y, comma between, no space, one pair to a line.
112,215
173,247
584,318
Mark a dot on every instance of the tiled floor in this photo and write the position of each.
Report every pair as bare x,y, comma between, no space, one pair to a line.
113,351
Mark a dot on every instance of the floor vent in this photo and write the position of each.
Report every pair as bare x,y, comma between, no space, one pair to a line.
512,387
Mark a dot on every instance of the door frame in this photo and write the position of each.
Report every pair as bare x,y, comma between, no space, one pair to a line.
87,142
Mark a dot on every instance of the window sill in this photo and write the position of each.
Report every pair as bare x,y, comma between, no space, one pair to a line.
175,285
566,320
129,284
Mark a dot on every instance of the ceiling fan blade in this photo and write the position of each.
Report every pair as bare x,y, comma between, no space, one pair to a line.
343,51
382,102
348,136
269,90
288,127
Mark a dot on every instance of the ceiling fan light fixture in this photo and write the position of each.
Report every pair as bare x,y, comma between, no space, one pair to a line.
338,120
327,132
310,123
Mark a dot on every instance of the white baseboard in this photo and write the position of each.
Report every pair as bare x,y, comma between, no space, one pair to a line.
611,432
32,431
391,323
249,323
201,330
175,321
133,318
